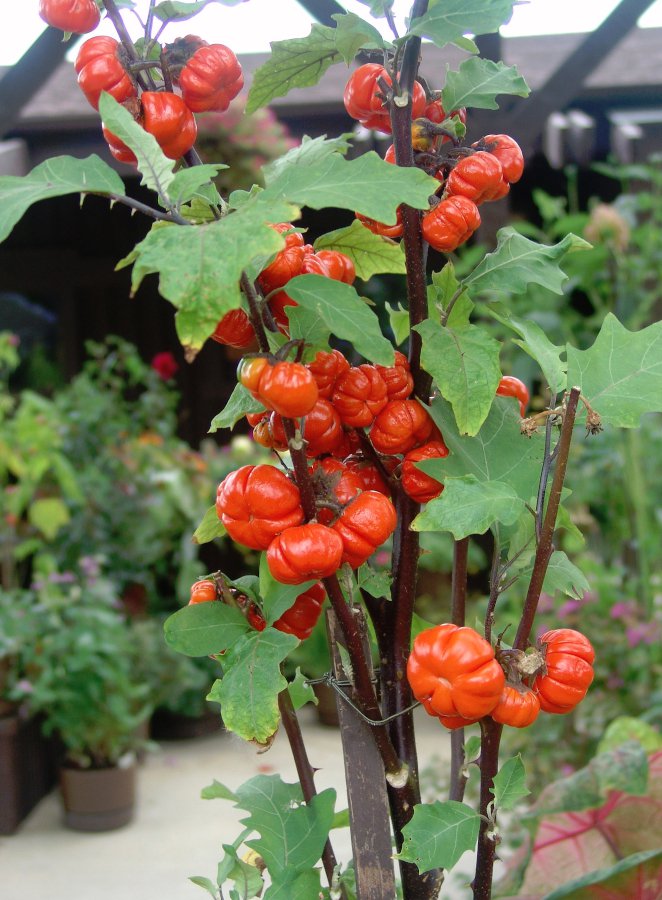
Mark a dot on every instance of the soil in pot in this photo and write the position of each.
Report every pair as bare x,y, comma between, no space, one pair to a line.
98,799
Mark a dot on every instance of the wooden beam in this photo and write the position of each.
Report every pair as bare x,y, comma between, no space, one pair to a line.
322,10
26,77
526,119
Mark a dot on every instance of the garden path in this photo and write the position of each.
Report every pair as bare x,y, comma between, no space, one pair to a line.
175,833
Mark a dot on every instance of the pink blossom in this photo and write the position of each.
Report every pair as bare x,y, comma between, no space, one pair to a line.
165,365
622,609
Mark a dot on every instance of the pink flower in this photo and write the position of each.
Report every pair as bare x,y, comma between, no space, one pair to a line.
165,365
622,609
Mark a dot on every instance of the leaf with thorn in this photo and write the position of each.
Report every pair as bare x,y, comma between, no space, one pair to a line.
479,81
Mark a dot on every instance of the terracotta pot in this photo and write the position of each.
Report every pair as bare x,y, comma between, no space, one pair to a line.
98,799
327,711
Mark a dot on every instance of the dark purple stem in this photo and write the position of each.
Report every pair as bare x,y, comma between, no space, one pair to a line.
489,766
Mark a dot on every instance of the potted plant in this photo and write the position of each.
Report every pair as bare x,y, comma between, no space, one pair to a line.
81,677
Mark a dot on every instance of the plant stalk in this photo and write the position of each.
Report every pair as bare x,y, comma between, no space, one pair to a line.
545,546
489,766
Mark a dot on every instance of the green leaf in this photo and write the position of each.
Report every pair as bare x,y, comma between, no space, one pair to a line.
240,403
446,288
621,374
609,878
292,833
195,183
299,62
252,680
628,728
300,691
206,884
378,8
518,262
48,515
498,453
204,628
353,33
536,343
472,748
447,22
341,311
277,597
510,784
467,506
438,834
308,153
210,528
399,322
367,185
217,791
200,266
464,362
371,253
302,886
563,575
376,583
177,11
624,768
478,81
155,167
54,178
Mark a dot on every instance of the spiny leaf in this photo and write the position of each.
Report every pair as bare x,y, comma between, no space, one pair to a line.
464,363
54,178
353,33
204,628
241,403
621,374
343,313
479,81
468,506
299,62
448,22
248,691
156,169
309,152
536,343
509,784
438,834
518,262
367,185
370,253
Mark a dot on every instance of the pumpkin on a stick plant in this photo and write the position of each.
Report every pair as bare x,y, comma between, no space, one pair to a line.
429,437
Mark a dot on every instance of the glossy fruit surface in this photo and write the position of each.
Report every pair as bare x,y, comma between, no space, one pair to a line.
211,79
249,373
400,426
569,658
509,386
256,503
364,525
518,707
77,16
389,231
478,177
339,266
202,592
99,68
452,672
326,369
167,118
322,429
450,223
417,484
364,99
302,616
397,378
304,552
235,330
359,395
288,388
287,262
509,154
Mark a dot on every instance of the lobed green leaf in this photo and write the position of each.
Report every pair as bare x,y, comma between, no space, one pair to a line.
479,81
449,21
241,403
438,834
466,505
371,253
204,628
510,784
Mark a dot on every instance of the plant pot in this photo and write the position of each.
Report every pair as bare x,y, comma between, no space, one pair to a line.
169,726
28,769
327,711
98,799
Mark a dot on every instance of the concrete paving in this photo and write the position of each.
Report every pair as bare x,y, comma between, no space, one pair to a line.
175,833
